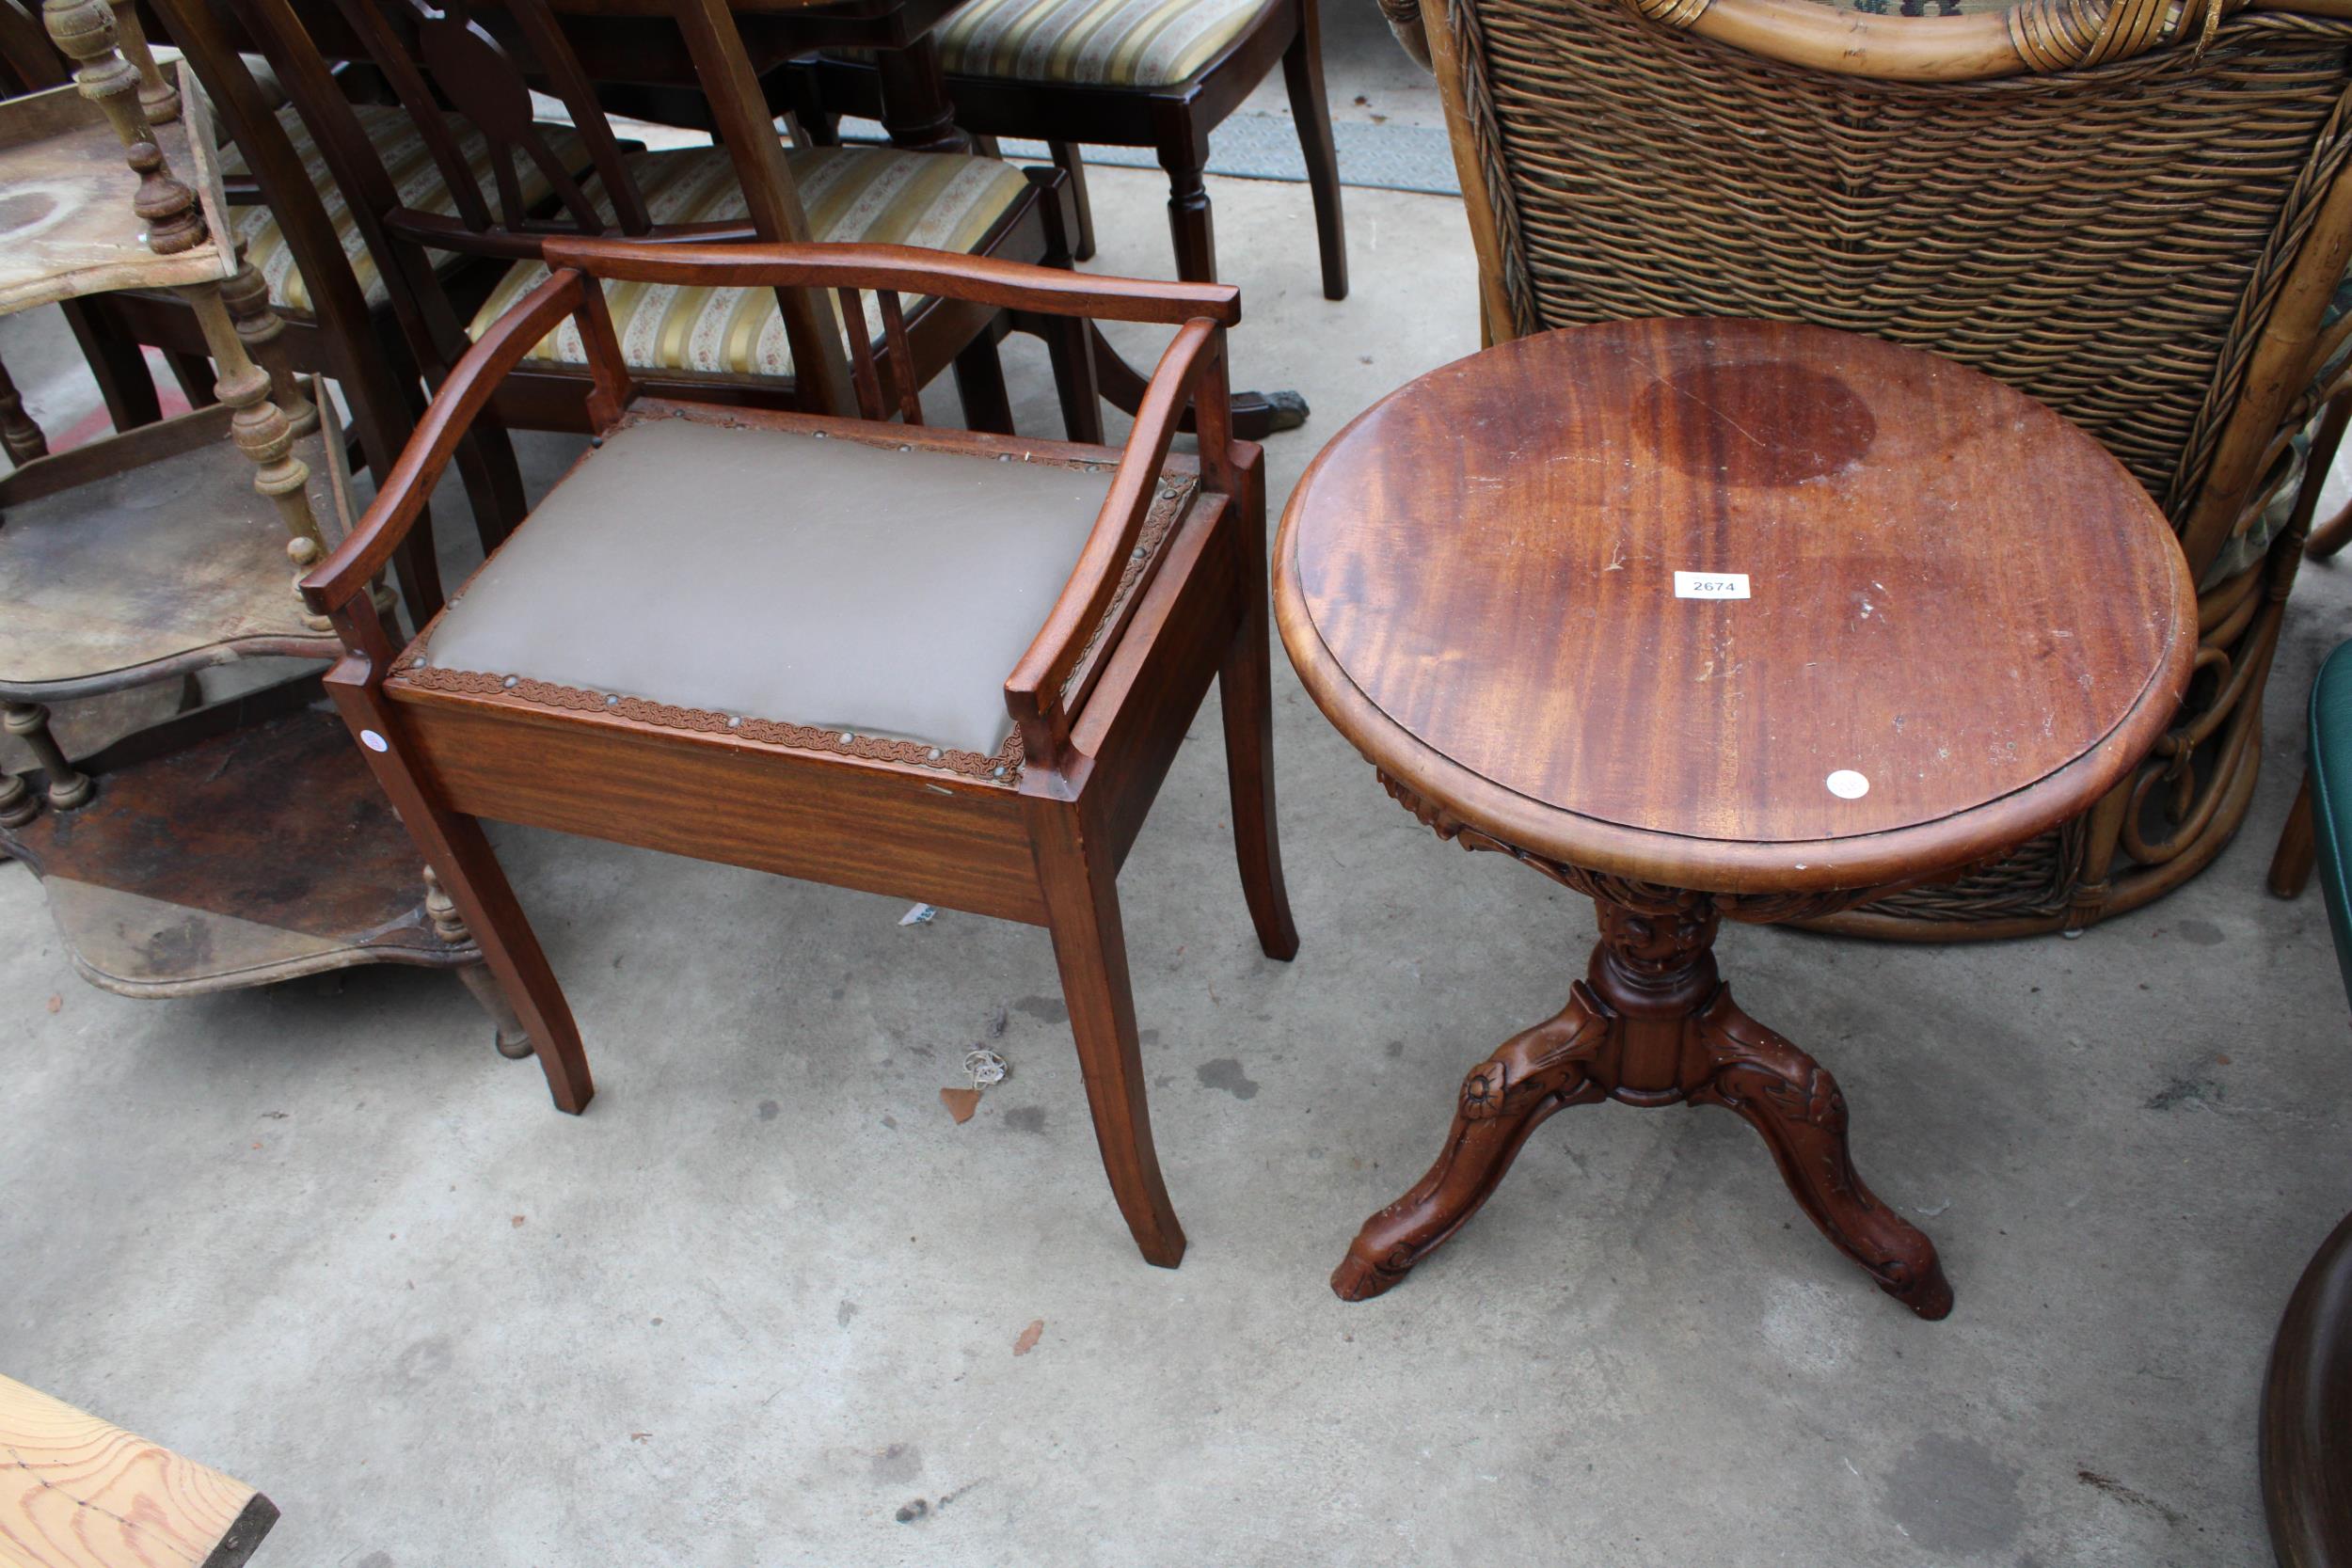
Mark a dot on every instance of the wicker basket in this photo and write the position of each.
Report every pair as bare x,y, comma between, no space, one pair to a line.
2132,213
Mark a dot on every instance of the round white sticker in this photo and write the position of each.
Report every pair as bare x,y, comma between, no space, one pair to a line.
1847,785
376,742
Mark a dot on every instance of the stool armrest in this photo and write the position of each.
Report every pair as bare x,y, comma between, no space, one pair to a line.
907,269
1033,692
333,582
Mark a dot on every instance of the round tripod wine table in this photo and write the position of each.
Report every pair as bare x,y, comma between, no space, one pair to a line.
1720,618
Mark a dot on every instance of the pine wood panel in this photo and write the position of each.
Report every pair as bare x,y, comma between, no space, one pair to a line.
76,1492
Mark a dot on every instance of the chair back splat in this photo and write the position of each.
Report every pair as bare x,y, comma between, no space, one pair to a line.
465,72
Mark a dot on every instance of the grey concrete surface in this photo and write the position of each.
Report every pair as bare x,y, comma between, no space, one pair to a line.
761,1305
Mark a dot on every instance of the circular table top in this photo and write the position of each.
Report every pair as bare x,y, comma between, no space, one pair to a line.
1735,605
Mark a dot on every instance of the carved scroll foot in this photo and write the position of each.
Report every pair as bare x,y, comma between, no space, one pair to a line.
1505,1098
1796,1106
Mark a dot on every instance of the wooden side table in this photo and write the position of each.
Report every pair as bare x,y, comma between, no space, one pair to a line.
1720,618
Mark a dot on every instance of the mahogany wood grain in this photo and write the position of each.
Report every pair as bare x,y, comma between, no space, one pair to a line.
1114,675
1956,622
1482,593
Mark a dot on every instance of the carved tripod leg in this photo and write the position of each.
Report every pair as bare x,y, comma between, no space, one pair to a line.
1504,1099
511,1040
1796,1105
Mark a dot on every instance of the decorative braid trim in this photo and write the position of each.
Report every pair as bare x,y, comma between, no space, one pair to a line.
1004,766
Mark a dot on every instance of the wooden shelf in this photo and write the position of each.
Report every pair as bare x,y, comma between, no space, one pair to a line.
238,844
150,554
67,228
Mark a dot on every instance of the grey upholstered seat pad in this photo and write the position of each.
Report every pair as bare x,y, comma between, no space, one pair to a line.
803,580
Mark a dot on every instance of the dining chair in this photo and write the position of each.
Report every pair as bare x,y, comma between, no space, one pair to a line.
1160,74
756,347
941,664
2136,210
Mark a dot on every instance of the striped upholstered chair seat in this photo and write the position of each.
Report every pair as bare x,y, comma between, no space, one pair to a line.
851,194
1112,44
394,136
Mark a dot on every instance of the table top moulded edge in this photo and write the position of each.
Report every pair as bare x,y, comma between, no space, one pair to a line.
1889,860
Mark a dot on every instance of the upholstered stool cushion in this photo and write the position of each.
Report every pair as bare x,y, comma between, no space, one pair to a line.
414,174
1117,43
874,590
851,194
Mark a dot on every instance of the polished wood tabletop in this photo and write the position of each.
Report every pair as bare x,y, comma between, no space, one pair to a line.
1714,619
1955,602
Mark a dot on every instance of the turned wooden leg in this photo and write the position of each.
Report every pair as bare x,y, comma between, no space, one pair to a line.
1302,73
1245,685
67,788
2291,862
1507,1097
1189,223
1652,1024
17,805
1796,1106
511,1040
1079,876
20,437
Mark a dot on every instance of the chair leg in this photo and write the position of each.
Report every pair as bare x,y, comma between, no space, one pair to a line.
1188,219
1069,344
1073,168
124,382
2330,536
1080,881
194,372
1245,688
1302,72
467,869
2291,864
981,387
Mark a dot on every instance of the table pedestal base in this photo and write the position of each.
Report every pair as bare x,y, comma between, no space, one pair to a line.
1651,1024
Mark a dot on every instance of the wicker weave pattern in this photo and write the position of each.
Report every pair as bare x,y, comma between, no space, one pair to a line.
2107,238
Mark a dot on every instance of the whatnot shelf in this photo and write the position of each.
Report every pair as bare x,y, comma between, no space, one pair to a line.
150,554
238,844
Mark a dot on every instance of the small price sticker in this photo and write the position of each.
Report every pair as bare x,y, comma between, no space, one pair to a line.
1710,585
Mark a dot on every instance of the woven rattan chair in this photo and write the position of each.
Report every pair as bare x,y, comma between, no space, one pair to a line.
2130,209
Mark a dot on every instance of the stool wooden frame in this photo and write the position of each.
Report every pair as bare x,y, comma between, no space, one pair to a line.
1099,705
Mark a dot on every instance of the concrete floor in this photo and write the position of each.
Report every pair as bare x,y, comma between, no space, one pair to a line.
763,1304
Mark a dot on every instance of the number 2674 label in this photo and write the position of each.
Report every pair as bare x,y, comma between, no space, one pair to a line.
1710,585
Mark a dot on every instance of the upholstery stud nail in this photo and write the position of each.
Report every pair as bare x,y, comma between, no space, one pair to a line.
846,738
612,701
735,723
934,754
511,682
